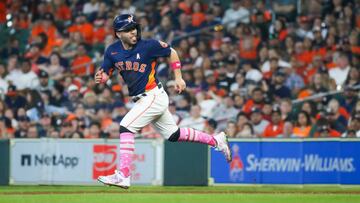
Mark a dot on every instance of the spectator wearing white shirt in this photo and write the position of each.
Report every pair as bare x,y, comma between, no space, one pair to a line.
340,73
259,124
272,55
251,73
26,78
235,14
91,7
195,120
3,83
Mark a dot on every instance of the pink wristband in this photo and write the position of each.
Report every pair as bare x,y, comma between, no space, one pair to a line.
104,78
175,65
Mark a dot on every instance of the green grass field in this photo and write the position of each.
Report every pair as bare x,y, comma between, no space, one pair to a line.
216,194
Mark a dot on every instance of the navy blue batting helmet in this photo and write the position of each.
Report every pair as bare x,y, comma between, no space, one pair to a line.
126,22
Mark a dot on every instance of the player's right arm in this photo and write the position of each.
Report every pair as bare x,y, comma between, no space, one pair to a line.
102,75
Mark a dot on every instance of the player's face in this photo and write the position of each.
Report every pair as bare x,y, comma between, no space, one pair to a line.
129,36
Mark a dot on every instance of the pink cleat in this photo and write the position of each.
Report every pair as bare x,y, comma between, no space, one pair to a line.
116,179
223,146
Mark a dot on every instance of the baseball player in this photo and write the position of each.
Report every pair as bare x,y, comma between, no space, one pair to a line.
136,61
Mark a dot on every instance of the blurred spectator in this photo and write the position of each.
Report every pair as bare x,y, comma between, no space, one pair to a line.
288,130
194,120
286,109
113,131
73,98
83,27
91,7
275,127
32,131
54,69
278,89
44,82
353,129
353,78
231,129
3,83
197,16
323,129
340,73
256,100
24,124
13,99
235,14
246,132
46,26
26,78
285,8
211,126
93,131
224,111
303,125
259,124
82,64
241,119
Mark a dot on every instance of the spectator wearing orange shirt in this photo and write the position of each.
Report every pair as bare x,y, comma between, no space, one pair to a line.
62,11
198,16
46,26
257,100
82,64
248,44
99,32
275,127
278,30
21,20
186,6
323,129
302,55
303,125
85,28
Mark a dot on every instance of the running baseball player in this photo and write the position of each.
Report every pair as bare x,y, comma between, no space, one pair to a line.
136,61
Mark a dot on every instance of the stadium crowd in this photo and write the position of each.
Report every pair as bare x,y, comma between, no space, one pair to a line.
256,69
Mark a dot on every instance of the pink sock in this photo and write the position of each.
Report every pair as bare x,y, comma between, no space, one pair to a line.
127,148
192,135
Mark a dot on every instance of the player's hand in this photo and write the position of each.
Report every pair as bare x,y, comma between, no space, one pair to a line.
180,85
101,76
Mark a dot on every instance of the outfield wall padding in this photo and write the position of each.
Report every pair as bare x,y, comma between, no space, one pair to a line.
185,164
4,162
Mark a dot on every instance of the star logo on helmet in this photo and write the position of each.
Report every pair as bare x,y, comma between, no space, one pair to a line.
131,19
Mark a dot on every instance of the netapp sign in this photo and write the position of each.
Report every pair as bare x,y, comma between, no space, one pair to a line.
69,161
52,160
46,161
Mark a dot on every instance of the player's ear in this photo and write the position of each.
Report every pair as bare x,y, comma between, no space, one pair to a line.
117,35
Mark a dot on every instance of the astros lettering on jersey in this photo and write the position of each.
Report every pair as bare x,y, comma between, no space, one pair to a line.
138,65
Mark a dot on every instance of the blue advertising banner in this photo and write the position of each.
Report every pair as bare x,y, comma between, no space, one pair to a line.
288,162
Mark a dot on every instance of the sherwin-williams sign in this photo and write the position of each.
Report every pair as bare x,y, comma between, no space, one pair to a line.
289,162
53,161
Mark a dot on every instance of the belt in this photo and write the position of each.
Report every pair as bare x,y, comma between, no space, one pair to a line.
139,96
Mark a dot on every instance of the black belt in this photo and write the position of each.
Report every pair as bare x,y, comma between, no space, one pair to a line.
136,98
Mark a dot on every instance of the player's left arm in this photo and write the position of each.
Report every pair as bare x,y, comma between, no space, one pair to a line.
175,65
161,49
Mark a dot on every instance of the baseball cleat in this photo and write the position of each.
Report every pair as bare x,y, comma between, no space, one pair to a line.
116,179
223,145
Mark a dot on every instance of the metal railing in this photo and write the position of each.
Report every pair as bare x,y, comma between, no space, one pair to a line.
323,94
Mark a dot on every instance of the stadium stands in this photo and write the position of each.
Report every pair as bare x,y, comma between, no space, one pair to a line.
295,64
